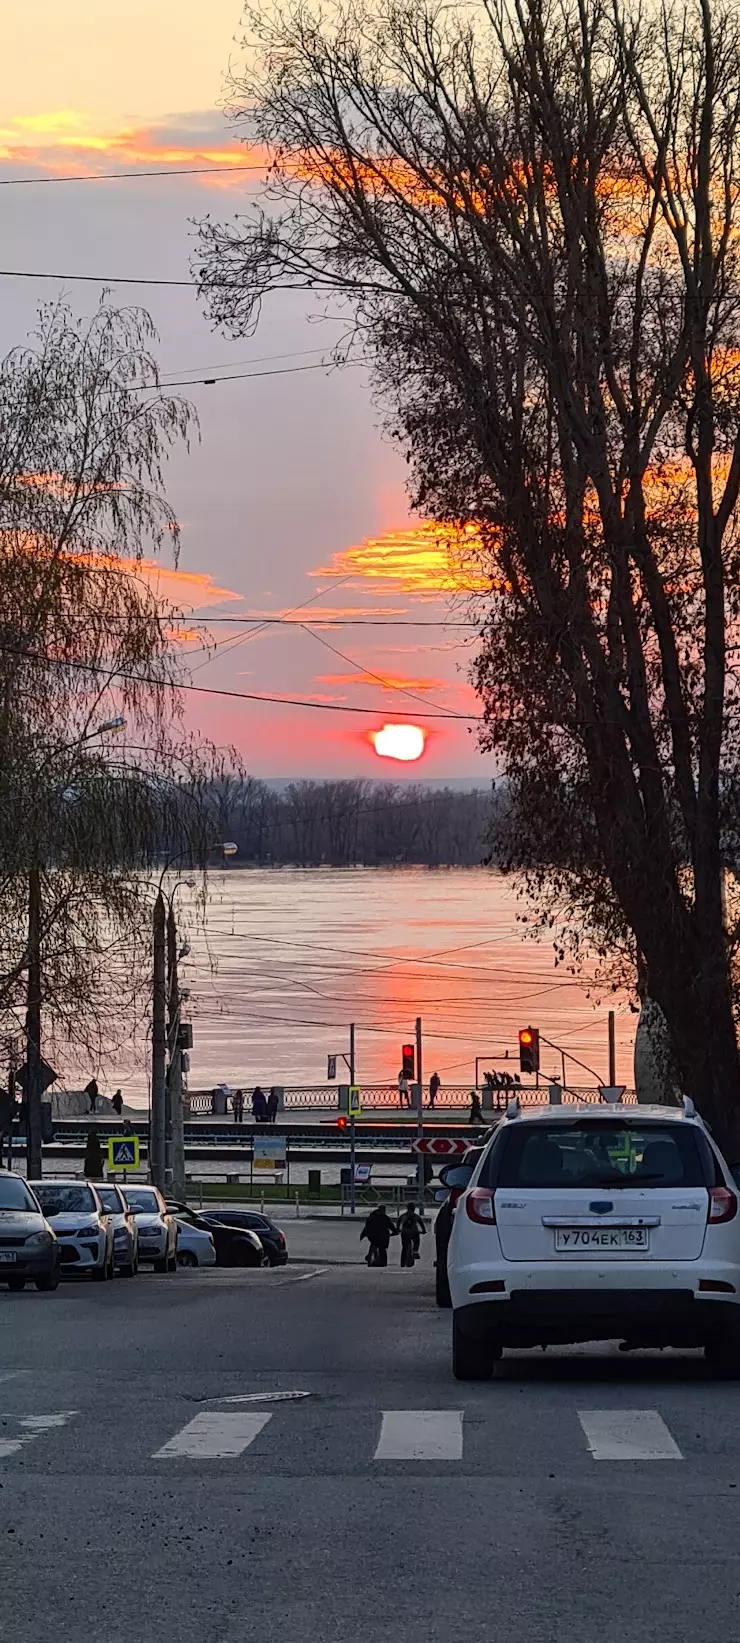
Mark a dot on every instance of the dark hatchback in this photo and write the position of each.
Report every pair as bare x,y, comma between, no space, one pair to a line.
269,1234
29,1250
235,1246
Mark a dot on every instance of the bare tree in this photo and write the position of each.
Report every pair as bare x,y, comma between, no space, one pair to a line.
97,777
532,211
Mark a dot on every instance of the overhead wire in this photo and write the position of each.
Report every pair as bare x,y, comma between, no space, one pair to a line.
123,176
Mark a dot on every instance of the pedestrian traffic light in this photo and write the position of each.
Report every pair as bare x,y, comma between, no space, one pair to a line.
407,1061
341,1122
529,1050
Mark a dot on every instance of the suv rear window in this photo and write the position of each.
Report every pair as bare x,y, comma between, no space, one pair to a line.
594,1153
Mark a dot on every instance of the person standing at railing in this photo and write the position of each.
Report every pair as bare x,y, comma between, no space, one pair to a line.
403,1090
434,1088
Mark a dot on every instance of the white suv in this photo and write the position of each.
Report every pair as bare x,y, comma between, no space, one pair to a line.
586,1223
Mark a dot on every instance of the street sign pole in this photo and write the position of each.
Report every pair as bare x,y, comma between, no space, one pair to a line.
419,1116
352,1205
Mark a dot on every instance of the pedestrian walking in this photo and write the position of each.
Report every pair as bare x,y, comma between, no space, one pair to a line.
259,1105
403,1089
378,1229
272,1105
92,1092
411,1227
434,1085
475,1116
238,1105
116,1102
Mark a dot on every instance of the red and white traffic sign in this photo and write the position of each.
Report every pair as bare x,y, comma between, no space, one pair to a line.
441,1144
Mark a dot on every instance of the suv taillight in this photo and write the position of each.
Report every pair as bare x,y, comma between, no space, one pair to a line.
479,1206
722,1206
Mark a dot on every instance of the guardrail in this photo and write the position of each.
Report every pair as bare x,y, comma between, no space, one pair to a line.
385,1096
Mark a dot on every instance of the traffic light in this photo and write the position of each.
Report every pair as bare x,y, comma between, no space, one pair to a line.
407,1061
529,1050
341,1122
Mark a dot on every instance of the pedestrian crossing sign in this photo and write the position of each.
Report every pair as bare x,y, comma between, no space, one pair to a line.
123,1152
354,1105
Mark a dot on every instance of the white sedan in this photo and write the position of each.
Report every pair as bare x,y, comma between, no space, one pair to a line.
156,1227
195,1246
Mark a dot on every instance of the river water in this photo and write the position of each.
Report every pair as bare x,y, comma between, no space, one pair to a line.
286,958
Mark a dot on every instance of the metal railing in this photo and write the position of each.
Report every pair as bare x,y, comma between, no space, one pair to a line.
380,1097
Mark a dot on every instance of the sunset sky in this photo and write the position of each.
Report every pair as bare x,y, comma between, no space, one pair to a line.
291,495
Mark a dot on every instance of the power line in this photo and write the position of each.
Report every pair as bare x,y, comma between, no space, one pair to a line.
122,176
387,684
240,376
92,279
212,690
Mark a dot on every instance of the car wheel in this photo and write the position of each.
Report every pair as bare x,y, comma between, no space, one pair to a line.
442,1286
48,1280
187,1258
161,1266
473,1357
16,1284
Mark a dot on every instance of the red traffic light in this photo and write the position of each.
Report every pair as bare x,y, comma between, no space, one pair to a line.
529,1050
408,1052
341,1123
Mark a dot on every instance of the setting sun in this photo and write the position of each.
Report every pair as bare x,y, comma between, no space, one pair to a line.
404,742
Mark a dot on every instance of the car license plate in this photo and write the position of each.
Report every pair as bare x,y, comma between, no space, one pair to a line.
600,1239
7,1255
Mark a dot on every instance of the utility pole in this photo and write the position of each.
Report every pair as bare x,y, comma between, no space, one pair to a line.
33,1028
352,1204
612,1052
175,1135
419,1117
159,1049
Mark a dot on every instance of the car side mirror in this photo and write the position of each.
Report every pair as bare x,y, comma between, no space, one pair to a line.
456,1175
441,1195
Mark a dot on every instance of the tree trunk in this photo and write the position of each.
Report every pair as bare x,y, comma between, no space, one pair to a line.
704,1040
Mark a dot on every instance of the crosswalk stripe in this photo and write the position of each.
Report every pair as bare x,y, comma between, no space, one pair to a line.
420,1434
628,1434
214,1435
34,1426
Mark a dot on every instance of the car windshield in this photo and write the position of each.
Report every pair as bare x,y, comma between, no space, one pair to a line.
142,1201
111,1200
14,1194
600,1154
65,1198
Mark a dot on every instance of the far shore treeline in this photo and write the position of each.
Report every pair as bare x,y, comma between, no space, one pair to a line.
350,823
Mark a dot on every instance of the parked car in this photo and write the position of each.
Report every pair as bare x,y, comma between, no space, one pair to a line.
125,1230
270,1235
29,1248
596,1223
84,1230
454,1178
157,1228
235,1246
195,1246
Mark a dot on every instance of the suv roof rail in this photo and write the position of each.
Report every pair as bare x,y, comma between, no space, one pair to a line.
514,1107
688,1107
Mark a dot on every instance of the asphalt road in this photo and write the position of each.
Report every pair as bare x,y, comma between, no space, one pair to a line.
390,1503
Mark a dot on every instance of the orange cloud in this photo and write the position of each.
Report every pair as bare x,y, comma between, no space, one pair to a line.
64,138
426,558
388,681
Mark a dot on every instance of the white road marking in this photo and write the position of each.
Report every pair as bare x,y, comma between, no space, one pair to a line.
628,1434
261,1397
420,1434
12,1375
306,1275
32,1427
213,1435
